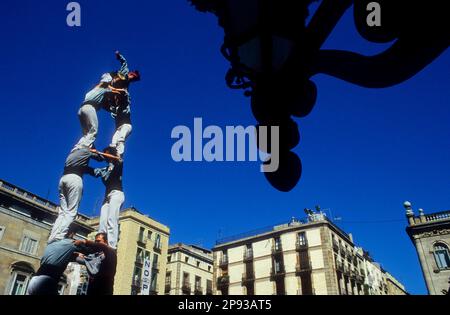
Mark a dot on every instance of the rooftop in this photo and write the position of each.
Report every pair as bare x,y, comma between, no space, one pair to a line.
295,223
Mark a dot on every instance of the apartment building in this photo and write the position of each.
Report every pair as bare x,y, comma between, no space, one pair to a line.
25,224
141,239
312,256
189,270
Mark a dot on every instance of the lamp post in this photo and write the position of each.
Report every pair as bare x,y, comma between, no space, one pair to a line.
273,54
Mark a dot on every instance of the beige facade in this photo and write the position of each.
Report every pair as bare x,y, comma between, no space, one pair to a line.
25,224
189,271
311,256
430,234
140,237
393,286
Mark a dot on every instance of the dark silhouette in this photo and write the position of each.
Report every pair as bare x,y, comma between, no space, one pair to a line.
273,55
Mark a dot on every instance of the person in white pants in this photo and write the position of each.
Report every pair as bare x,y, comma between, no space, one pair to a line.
114,199
71,190
101,96
122,109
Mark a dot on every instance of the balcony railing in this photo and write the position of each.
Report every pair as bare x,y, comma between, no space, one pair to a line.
336,246
277,248
339,266
248,276
209,291
139,261
223,262
198,290
300,245
136,283
186,288
142,241
303,267
223,281
248,255
156,265
276,273
157,248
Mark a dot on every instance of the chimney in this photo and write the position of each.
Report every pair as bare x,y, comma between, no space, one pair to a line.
350,235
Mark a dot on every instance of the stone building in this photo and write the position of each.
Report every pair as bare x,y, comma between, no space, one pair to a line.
140,238
430,234
25,224
189,270
304,257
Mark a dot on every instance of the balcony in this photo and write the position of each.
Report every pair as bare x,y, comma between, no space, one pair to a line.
156,266
339,266
136,283
303,268
157,248
248,255
277,249
198,290
301,246
209,291
277,273
186,288
342,251
336,246
223,281
248,277
223,262
139,261
142,242
167,288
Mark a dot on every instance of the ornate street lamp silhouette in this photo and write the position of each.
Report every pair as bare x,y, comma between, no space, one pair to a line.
273,54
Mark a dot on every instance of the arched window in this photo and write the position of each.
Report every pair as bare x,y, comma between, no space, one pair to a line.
442,256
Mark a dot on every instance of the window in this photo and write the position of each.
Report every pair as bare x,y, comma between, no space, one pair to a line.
198,283
168,279
19,284
141,235
198,264
209,289
149,235
158,241
140,256
302,241
277,243
29,245
186,259
155,262
169,258
209,268
2,231
442,256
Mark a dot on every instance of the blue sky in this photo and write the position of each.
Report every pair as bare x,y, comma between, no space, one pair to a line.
364,151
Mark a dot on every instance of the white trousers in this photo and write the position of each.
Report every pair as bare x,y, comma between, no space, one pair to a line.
89,125
109,216
119,138
70,192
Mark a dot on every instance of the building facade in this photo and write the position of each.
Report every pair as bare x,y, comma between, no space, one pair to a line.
430,234
189,271
141,238
305,257
25,224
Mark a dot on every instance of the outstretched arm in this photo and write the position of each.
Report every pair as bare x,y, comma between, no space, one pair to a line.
124,68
